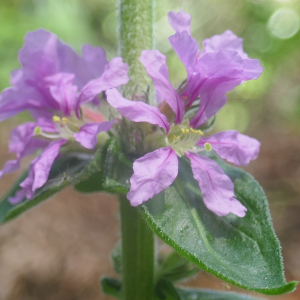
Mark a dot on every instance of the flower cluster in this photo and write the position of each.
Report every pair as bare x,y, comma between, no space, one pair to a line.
48,83
212,72
47,86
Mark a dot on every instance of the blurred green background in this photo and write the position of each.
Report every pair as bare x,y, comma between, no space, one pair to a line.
268,109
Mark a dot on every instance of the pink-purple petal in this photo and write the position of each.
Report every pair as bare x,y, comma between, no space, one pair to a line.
63,91
95,58
220,72
23,143
20,136
43,54
10,167
137,111
40,168
187,50
87,135
114,75
233,146
227,40
180,21
153,173
216,187
212,95
156,67
252,69
17,198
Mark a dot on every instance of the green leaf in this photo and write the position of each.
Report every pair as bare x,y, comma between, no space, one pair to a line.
202,294
111,287
93,182
242,251
70,169
166,291
57,181
175,267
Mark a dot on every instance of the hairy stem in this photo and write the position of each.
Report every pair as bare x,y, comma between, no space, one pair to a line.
135,35
137,254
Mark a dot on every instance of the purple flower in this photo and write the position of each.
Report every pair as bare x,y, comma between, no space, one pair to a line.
217,69
54,85
220,67
158,169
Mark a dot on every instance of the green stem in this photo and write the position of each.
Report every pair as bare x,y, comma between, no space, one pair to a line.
137,254
135,35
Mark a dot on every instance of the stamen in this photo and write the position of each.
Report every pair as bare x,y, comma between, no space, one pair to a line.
208,146
56,119
64,121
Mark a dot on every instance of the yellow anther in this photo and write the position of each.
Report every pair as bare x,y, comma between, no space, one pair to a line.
200,132
64,121
187,131
56,119
182,130
192,130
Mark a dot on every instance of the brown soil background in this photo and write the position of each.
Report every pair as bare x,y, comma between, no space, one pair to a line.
59,250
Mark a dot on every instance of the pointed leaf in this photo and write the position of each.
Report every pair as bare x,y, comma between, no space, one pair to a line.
111,287
70,169
242,251
175,267
57,181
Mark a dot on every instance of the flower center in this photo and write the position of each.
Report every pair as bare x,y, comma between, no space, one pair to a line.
64,128
183,138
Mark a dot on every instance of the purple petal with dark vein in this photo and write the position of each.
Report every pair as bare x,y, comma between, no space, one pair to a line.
156,67
16,100
233,146
40,168
115,74
187,50
153,173
180,21
212,95
87,135
43,54
216,187
63,91
137,111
